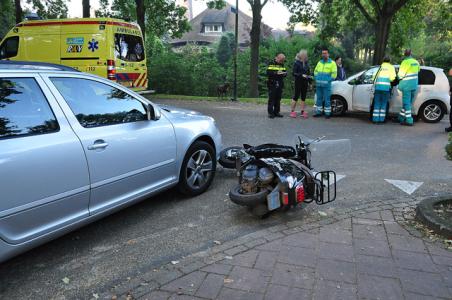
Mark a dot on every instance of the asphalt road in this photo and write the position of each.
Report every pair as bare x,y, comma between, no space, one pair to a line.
169,226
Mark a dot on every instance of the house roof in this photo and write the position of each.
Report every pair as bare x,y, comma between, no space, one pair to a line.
224,17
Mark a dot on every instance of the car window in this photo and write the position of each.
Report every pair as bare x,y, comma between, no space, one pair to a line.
368,76
24,110
426,77
129,47
9,47
98,104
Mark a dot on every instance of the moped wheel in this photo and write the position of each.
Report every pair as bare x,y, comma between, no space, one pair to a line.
228,157
250,200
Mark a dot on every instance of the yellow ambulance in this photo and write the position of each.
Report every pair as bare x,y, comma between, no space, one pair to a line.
106,47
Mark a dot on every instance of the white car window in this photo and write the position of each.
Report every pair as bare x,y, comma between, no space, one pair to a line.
368,76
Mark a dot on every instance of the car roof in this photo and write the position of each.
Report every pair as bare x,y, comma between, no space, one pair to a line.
9,65
422,67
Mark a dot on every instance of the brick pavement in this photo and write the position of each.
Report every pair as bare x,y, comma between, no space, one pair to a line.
362,253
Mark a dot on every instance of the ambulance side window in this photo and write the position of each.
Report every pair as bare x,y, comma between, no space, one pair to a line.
9,47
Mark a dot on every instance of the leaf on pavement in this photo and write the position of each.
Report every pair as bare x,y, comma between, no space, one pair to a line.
322,213
174,262
66,280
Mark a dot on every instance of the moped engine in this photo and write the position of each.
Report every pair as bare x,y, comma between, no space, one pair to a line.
249,180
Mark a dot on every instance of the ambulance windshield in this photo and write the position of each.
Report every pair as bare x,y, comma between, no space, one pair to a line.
129,47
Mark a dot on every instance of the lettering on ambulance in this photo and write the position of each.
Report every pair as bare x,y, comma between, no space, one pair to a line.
128,31
75,44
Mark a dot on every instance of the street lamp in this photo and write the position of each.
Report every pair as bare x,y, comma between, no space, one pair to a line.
236,49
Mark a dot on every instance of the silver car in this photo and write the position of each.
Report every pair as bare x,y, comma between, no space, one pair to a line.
75,147
356,94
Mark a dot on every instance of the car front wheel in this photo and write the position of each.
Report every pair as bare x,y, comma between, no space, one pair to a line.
198,169
338,106
431,112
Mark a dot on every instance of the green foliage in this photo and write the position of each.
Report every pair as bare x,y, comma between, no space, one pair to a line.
224,51
6,17
49,9
449,148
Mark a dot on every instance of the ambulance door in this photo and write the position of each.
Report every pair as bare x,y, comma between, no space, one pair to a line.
40,43
85,47
130,58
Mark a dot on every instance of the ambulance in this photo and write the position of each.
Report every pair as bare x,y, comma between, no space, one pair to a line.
106,47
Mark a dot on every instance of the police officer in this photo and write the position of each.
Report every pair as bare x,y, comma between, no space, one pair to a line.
325,72
408,81
275,83
384,76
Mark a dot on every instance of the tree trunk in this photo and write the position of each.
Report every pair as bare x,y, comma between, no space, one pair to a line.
255,35
365,55
18,11
141,16
86,8
382,29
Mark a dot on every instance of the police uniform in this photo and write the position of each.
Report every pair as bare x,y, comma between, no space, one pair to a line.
275,84
325,72
385,75
408,76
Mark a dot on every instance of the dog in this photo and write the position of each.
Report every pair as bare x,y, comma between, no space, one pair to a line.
223,90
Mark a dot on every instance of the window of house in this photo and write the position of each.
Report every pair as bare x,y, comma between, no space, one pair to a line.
213,28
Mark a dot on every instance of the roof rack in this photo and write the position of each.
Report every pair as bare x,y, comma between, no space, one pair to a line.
33,65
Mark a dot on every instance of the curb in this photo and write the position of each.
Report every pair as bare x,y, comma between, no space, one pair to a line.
425,214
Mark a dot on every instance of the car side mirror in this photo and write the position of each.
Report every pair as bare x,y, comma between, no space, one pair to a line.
154,112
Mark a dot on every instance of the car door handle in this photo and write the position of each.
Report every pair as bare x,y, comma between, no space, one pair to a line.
99,144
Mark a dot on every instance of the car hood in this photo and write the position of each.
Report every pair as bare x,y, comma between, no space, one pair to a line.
177,114
179,111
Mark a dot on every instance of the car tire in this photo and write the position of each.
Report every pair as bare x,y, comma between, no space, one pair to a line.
249,200
431,111
198,169
338,106
225,160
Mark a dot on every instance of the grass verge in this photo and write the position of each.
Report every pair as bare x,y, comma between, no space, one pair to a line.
309,101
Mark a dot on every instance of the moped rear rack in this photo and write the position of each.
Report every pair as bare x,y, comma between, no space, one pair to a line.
326,187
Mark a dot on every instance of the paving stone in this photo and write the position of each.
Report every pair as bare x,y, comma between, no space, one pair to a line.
446,273
374,215
281,292
266,260
272,246
335,251
374,265
372,232
345,224
297,256
218,268
366,221
371,247
231,294
291,231
442,260
438,250
301,239
293,276
245,259
375,287
424,283
407,243
157,295
192,267
393,227
187,284
183,297
333,235
165,276
246,279
326,290
235,250
255,243
211,286
278,228
413,261
336,270
274,236
413,296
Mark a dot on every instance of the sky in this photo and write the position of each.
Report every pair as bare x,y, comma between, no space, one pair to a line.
274,13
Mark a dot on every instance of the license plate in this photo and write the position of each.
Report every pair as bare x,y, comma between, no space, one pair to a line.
273,199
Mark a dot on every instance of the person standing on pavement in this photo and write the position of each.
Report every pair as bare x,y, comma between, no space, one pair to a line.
275,83
340,69
408,82
325,72
449,129
301,74
383,78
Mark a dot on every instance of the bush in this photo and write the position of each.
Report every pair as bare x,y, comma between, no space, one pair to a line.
449,148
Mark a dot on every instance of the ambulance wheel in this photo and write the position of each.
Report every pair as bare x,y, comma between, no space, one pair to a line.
227,157
250,200
432,111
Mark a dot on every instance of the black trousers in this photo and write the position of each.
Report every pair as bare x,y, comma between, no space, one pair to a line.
450,112
274,100
301,88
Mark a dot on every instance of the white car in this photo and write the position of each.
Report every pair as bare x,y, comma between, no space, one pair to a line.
356,94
